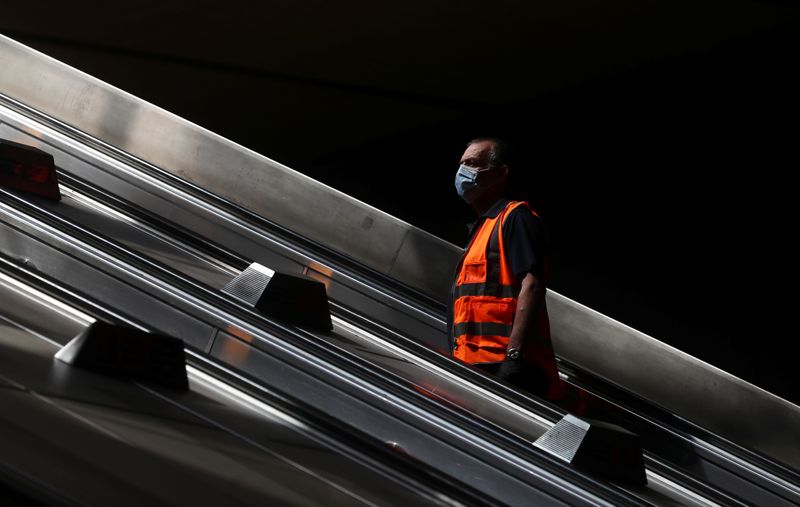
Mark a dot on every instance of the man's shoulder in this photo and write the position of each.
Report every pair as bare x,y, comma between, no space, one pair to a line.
523,224
522,211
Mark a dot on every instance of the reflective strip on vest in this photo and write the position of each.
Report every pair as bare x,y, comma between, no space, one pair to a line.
482,328
482,289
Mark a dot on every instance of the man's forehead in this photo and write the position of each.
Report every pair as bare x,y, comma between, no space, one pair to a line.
480,150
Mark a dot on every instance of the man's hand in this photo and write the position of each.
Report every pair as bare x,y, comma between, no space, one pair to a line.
524,375
512,371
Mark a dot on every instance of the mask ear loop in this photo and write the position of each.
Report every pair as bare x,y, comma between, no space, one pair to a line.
496,182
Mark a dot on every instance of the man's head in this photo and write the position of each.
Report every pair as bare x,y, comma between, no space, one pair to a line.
498,151
485,177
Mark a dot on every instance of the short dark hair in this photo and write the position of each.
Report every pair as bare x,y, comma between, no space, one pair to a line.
501,152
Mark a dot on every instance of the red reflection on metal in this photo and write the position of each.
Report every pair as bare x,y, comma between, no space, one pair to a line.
28,169
37,174
579,402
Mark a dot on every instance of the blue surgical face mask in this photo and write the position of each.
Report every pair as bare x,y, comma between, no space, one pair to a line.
466,186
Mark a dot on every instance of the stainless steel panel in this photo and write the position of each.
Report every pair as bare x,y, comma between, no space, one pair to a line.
101,286
440,383
706,395
285,366
216,164
25,308
431,379
426,446
436,382
127,231
120,444
222,228
510,417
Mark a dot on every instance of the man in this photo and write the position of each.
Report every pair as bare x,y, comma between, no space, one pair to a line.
498,318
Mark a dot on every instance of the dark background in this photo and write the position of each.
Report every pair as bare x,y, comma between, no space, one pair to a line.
657,139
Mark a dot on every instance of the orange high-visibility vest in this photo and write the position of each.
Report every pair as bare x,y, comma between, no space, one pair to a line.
485,302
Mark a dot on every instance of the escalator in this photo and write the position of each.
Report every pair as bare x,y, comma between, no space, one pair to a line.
78,208
73,437
294,361
198,241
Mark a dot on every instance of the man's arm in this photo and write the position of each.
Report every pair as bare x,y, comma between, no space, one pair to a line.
535,379
530,300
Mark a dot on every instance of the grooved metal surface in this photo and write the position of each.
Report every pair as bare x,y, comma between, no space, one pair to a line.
250,283
563,440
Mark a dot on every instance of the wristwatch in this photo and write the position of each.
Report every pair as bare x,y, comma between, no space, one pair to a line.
512,353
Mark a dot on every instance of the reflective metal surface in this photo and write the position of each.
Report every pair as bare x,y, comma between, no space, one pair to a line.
212,162
286,367
118,443
706,395
576,329
373,238
432,380
437,382
222,227
104,287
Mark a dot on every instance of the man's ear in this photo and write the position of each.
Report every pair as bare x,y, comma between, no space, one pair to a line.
505,171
